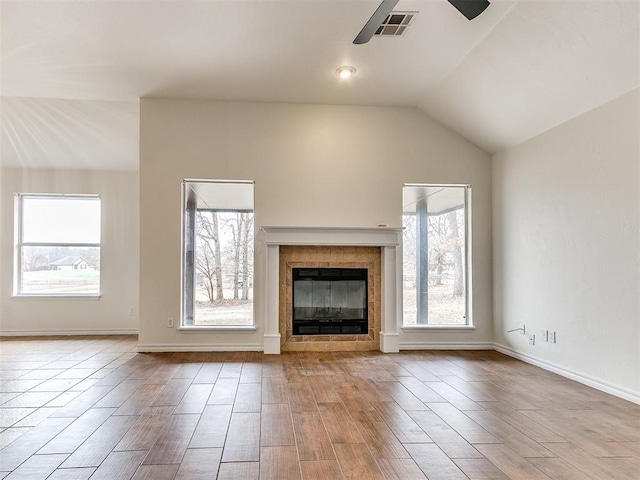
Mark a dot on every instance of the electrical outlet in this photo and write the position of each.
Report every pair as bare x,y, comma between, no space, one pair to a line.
132,312
170,322
552,336
545,335
532,339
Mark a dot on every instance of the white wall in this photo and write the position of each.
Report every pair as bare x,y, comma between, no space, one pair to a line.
119,255
566,216
313,165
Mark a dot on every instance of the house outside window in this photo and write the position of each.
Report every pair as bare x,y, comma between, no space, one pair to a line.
436,255
218,249
57,247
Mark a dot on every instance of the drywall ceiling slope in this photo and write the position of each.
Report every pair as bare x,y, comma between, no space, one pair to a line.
518,69
72,72
268,51
54,133
545,63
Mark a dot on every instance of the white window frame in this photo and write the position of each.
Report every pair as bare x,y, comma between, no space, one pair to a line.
469,325
186,308
19,244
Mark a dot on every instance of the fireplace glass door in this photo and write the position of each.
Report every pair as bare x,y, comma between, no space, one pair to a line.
329,301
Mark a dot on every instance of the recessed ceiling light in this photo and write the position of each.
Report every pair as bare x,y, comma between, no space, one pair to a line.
346,72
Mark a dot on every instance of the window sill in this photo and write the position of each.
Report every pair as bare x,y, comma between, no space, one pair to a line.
218,329
61,296
439,328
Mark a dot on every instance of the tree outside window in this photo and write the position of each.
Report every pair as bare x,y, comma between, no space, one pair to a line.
218,255
435,260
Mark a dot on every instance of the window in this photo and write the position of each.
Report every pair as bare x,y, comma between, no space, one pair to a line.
435,255
57,245
217,253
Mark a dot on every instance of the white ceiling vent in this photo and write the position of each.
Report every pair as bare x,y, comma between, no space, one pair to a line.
396,24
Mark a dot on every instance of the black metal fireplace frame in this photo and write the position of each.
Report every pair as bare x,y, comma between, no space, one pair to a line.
330,326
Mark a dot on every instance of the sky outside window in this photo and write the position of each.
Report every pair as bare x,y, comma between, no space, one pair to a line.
50,220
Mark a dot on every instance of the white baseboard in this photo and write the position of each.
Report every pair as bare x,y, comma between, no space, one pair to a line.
155,347
446,346
578,377
69,332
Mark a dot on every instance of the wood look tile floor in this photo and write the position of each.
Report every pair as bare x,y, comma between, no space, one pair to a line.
92,408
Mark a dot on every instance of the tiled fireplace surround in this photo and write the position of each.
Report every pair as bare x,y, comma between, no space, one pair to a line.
377,249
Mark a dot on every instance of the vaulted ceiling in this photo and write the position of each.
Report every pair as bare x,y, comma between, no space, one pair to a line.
72,72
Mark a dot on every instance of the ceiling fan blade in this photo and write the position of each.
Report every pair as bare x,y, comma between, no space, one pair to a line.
375,21
470,8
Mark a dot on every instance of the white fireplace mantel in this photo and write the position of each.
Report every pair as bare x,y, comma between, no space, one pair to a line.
389,239
352,236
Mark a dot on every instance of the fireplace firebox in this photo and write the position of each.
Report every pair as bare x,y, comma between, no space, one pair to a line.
330,301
